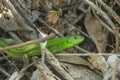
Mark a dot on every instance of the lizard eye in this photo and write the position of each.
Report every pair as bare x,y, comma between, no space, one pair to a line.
72,39
67,41
75,37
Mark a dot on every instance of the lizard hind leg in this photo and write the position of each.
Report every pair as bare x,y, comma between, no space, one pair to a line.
26,60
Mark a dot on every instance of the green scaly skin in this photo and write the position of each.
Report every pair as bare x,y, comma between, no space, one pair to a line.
54,45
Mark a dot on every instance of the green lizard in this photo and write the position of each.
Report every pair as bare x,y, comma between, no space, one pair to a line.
54,45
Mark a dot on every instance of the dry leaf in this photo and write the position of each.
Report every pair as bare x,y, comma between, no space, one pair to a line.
59,27
37,76
13,76
74,60
10,22
2,7
79,72
53,16
48,4
112,61
98,62
95,30
35,4
58,2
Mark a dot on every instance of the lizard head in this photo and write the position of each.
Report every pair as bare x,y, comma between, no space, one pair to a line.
75,39
60,44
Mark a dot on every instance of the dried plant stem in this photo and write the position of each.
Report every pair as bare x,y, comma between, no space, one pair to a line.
117,38
82,54
4,72
40,69
28,43
115,70
110,11
101,13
